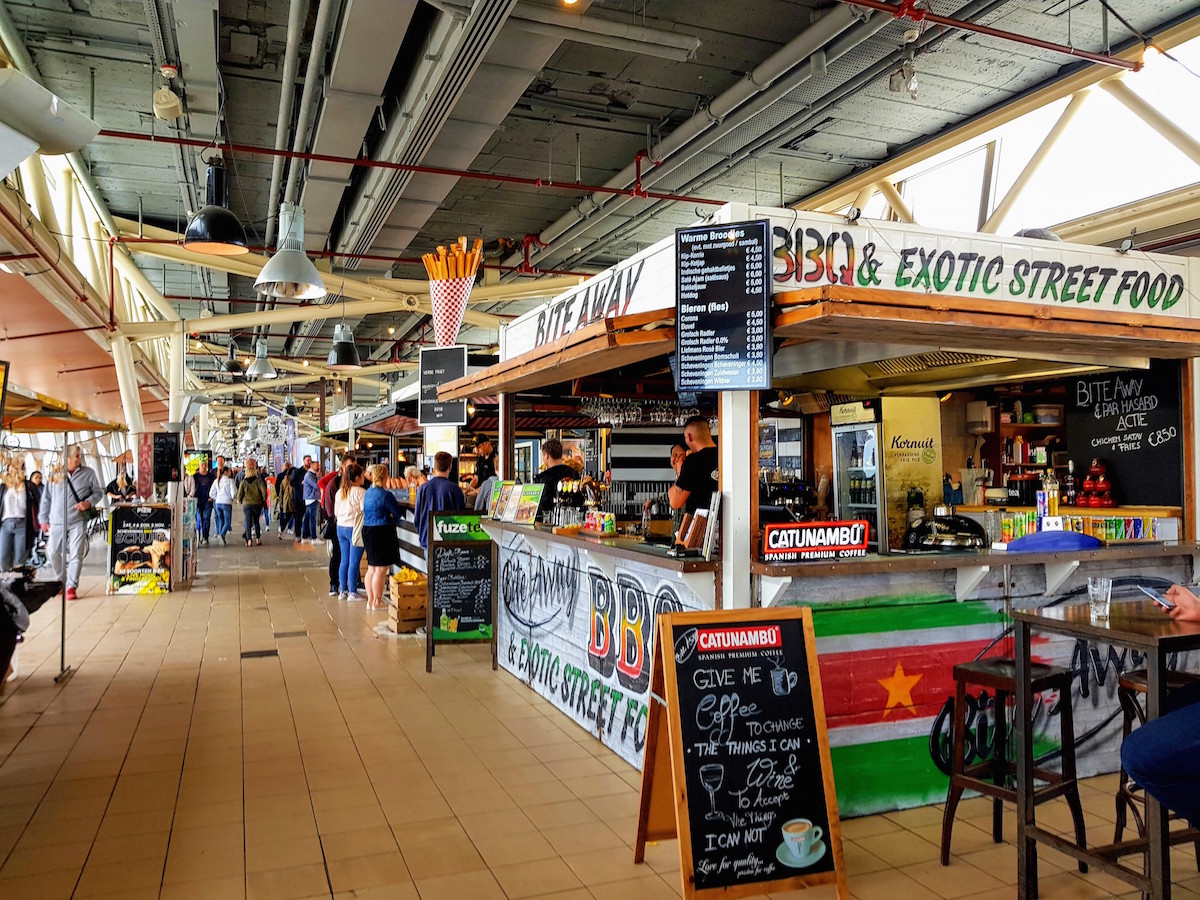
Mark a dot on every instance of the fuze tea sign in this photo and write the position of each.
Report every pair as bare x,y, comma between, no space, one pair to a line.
811,250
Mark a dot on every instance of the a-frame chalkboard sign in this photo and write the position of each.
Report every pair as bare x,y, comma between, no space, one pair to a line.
737,759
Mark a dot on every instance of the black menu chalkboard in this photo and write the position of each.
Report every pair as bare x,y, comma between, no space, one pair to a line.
723,307
746,727
167,457
461,599
440,366
1132,421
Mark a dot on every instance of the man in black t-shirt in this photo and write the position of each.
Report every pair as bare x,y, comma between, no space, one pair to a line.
556,471
697,480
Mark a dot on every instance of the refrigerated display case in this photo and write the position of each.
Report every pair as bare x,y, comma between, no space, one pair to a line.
858,480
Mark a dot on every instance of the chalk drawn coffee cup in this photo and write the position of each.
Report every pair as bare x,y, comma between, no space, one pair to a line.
801,835
782,681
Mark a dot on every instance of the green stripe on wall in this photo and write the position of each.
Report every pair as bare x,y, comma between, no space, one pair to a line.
887,775
903,613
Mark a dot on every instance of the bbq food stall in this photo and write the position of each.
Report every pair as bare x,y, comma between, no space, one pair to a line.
912,349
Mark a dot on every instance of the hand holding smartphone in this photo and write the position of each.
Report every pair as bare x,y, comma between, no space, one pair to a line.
1156,597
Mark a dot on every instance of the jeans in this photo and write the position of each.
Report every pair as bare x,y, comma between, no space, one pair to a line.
77,549
348,581
335,562
1163,756
285,520
250,526
12,543
265,512
308,528
204,510
223,513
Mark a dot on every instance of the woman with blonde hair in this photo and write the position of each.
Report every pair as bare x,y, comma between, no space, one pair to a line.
381,515
18,517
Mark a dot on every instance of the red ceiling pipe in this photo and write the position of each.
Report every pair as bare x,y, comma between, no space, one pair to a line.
80,295
17,257
571,187
908,9
56,333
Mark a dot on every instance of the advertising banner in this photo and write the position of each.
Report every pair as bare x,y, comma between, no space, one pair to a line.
139,549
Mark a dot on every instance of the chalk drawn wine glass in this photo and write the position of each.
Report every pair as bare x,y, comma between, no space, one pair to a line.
711,776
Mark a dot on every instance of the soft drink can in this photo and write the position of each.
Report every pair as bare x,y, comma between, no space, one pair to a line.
1006,529
1136,525
1120,526
1042,504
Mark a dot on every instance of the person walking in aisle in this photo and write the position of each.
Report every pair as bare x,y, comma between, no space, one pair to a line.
70,498
252,495
18,517
329,485
296,479
223,493
312,498
283,500
348,507
200,487
381,515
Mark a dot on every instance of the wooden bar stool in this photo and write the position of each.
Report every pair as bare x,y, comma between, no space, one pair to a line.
1130,797
990,776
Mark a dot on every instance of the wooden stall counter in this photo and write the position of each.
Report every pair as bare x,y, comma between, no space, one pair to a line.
618,546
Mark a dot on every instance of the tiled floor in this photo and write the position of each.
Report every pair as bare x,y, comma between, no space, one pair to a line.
172,765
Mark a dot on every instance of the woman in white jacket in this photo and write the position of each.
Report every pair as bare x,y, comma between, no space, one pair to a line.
348,507
223,491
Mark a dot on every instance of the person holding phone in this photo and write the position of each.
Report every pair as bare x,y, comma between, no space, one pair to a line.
1162,755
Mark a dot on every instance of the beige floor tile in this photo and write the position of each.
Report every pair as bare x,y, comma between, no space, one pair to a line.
949,881
130,874
45,886
539,877
550,816
887,885
1063,885
292,883
867,826
645,888
137,846
364,842
501,822
499,849
284,853
210,852
231,886
350,818
386,869
40,833
45,858
594,867
475,885
901,848
582,838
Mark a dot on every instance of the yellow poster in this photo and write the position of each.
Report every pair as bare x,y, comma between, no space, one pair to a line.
912,459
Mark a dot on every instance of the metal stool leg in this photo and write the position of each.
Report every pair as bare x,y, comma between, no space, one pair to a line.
999,763
957,765
1068,773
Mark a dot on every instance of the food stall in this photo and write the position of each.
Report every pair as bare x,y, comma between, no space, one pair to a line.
909,350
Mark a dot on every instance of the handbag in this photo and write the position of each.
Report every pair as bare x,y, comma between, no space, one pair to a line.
357,537
88,514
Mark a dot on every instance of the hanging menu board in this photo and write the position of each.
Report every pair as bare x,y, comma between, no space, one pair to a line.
440,366
461,603
756,811
723,307
1132,422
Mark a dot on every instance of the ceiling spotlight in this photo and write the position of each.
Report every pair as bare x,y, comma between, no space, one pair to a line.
343,355
231,364
304,363
290,274
904,79
391,329
167,105
215,230
261,367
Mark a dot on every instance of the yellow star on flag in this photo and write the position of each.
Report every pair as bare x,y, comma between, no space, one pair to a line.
899,688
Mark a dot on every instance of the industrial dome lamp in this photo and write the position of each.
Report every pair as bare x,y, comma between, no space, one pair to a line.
343,355
232,364
289,406
215,230
261,367
290,274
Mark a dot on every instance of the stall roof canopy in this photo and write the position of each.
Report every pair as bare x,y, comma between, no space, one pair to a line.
28,412
601,346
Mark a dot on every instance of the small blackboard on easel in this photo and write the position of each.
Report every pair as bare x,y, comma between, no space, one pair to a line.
460,606
744,780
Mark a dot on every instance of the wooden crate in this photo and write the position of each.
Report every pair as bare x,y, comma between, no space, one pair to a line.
406,606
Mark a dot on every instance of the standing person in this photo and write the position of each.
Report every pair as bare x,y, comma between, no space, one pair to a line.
312,496
438,493
223,493
296,477
252,495
348,507
283,499
485,461
18,517
120,489
329,485
202,483
698,474
483,496
556,470
381,515
76,493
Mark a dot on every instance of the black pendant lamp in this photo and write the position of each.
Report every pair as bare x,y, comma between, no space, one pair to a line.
343,355
215,230
232,365
289,406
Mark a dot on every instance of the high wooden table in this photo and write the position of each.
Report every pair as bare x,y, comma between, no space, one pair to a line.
1137,624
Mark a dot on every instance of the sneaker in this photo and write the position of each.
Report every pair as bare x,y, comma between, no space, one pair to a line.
358,596
224,543
71,595
333,592
343,596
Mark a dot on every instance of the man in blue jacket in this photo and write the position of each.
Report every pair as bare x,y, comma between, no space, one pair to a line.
438,493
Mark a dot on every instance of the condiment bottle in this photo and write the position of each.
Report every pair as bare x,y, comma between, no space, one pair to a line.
1069,484
1050,483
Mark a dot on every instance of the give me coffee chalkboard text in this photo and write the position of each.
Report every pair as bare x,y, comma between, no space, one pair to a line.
737,758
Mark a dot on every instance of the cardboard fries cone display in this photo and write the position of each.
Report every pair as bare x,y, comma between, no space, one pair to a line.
449,300
451,276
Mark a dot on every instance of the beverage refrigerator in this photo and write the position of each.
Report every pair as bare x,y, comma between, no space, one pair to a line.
858,479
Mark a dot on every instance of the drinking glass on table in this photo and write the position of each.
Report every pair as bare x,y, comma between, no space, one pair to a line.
1099,596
